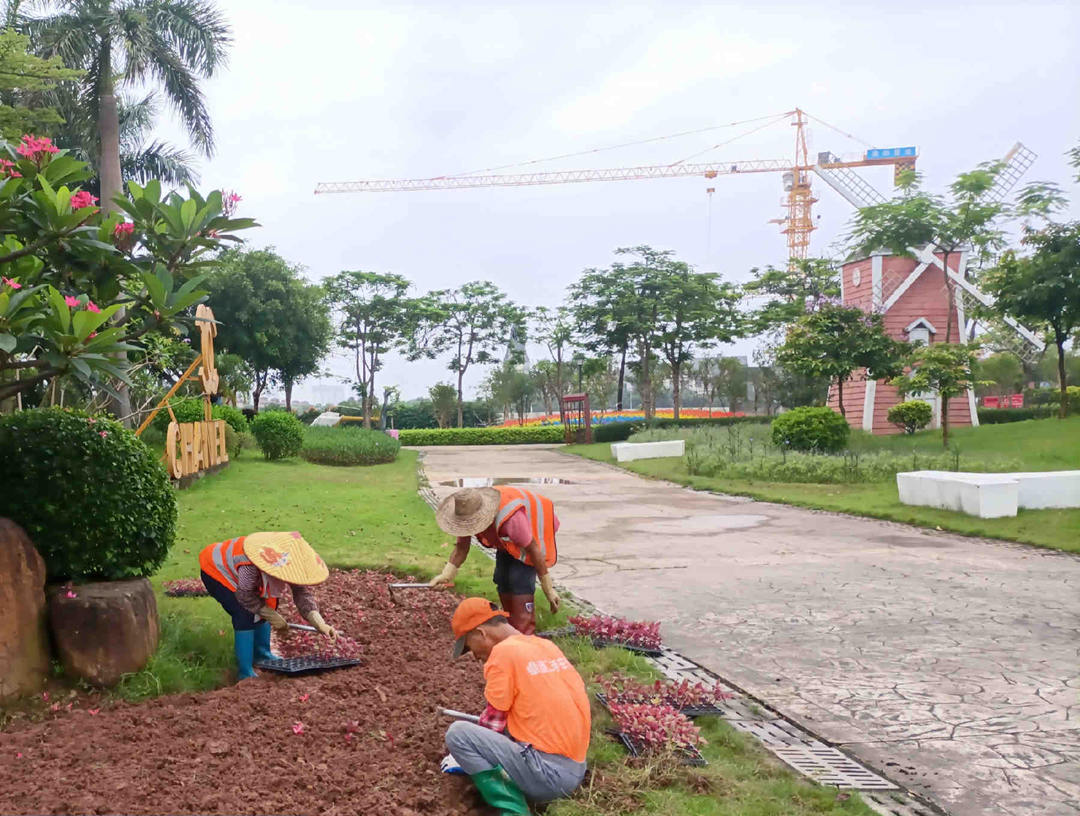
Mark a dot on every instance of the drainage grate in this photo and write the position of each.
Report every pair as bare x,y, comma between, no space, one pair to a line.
895,804
775,734
827,766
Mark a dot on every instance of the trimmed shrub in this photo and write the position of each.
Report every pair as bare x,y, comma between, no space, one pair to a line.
348,446
621,431
911,416
190,409
524,435
278,434
93,498
811,429
236,443
997,416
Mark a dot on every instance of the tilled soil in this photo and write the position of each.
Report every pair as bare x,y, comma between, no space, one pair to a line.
362,740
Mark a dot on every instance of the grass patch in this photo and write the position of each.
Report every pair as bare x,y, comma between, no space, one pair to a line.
1033,445
348,446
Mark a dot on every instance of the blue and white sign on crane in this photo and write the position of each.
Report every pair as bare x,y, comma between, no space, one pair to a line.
890,152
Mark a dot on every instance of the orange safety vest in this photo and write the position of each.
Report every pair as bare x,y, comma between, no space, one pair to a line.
541,515
221,562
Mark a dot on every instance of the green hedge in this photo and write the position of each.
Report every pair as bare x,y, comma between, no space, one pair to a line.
190,409
348,446
93,498
621,431
811,429
525,435
278,434
996,416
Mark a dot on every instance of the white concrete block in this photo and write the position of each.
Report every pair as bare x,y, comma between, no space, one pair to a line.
1055,488
629,451
986,495
327,419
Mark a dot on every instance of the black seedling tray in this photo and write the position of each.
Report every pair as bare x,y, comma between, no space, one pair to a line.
305,665
566,631
600,643
687,756
689,711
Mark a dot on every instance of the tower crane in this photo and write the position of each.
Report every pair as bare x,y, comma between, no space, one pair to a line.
797,223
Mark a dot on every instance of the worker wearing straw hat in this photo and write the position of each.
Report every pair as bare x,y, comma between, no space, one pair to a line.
248,576
520,525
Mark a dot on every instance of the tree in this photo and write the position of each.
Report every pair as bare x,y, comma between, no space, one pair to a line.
1043,288
444,401
306,338
724,377
792,291
1002,372
66,269
555,329
945,368
968,218
472,322
603,304
172,43
264,309
374,316
835,341
24,82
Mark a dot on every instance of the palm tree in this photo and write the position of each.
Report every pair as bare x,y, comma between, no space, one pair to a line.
169,43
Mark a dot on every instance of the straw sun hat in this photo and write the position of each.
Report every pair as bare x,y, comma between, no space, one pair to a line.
287,557
468,512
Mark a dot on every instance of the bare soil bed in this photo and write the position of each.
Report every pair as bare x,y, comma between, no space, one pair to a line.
356,740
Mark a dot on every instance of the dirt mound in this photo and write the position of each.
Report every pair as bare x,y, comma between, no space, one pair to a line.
357,741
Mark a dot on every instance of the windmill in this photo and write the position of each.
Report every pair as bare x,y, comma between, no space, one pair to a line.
796,224
912,303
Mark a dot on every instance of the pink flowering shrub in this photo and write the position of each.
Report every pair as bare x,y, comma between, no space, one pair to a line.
622,689
185,588
645,635
656,728
82,199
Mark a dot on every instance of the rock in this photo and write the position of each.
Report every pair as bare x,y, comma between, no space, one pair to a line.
106,630
24,638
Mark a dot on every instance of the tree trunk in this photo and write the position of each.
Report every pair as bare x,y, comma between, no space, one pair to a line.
288,395
622,378
460,405
839,396
676,390
1062,376
944,421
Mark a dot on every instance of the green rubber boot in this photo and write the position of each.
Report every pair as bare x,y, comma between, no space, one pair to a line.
500,792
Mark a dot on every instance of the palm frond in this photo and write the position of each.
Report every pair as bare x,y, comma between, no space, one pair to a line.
183,91
70,36
158,160
195,29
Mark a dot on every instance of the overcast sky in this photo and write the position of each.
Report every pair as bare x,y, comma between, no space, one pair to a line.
336,91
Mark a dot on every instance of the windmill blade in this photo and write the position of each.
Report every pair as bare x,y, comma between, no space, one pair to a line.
1017,161
854,188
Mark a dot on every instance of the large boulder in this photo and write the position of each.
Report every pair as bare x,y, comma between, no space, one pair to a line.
103,631
24,644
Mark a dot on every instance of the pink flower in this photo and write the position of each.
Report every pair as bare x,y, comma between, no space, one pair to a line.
229,200
92,307
93,711
54,707
103,434
91,420
70,594
123,228
83,199
91,336
36,149
12,283
298,728
7,168
72,302
304,698
18,755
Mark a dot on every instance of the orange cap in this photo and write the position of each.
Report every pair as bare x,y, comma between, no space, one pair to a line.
470,613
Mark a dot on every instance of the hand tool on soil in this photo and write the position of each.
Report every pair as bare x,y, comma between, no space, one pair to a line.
302,627
459,715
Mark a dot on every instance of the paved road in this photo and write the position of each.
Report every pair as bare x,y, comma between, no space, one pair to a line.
952,664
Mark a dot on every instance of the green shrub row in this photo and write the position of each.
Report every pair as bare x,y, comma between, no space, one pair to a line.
93,498
997,416
348,446
524,435
621,431
190,409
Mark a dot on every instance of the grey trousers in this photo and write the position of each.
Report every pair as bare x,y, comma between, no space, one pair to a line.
541,777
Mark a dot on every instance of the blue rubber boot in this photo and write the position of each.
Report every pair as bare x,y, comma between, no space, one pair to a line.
244,647
262,643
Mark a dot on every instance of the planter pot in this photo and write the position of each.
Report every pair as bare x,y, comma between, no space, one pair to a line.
106,630
24,643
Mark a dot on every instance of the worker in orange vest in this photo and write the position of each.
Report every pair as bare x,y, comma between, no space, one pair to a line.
520,525
248,575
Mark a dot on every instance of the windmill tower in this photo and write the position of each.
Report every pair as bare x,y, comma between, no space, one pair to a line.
910,295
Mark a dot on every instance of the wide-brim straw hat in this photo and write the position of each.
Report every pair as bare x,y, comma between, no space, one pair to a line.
469,511
287,557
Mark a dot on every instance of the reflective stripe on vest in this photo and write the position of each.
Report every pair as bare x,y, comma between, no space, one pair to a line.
222,561
540,513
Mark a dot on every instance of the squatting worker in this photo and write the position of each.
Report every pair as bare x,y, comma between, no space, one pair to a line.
534,734
521,526
248,575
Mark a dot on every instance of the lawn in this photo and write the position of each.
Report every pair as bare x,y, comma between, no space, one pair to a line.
372,517
1048,444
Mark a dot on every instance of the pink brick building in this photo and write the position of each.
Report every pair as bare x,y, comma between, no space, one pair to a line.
910,294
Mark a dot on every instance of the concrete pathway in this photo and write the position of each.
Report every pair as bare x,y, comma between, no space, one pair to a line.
950,664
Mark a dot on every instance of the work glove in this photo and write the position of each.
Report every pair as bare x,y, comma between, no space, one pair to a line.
449,765
548,586
316,620
281,626
444,578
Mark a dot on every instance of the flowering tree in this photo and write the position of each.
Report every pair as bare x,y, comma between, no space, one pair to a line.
67,269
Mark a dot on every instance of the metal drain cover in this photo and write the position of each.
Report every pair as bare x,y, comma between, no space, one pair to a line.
895,804
776,733
827,766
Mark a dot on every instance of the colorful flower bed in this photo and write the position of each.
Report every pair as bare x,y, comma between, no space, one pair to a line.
607,417
634,634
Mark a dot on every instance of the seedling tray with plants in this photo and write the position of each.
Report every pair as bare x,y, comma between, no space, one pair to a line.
306,665
690,699
642,637
185,588
687,756
657,729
